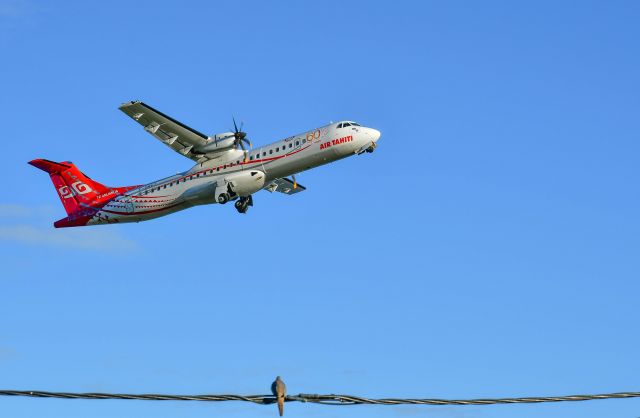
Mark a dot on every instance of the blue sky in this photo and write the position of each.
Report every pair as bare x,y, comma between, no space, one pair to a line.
489,247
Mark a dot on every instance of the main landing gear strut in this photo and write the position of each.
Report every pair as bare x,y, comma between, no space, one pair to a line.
243,203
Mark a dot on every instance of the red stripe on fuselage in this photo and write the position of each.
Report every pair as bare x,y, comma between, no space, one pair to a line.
196,173
114,200
142,212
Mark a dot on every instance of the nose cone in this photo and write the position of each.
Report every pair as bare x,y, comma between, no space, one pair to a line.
374,134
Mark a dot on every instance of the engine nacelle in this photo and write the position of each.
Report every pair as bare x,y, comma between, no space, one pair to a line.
246,183
218,142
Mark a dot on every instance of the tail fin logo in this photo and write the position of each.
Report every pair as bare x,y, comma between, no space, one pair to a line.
65,193
81,188
78,187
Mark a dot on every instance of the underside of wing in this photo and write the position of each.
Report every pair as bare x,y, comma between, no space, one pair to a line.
172,133
284,185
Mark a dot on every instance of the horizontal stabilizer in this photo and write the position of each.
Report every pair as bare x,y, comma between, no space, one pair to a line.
50,166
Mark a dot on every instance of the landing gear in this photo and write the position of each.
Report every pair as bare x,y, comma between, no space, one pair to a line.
367,148
223,198
242,204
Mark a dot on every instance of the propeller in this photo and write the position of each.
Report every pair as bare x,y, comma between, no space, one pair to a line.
241,138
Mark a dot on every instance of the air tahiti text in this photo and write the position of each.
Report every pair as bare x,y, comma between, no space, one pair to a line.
338,141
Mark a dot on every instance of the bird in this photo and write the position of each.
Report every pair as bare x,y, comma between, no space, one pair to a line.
279,390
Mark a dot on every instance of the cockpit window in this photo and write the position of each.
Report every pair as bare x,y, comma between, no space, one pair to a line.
344,125
355,124
339,126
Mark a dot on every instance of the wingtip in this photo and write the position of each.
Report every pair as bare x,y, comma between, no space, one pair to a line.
129,103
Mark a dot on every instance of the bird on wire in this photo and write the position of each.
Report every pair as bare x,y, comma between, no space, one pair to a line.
279,390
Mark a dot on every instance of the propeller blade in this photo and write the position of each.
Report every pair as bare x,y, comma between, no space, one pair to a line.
248,142
295,182
235,127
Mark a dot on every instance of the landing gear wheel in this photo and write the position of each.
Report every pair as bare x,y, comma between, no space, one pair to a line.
242,204
223,198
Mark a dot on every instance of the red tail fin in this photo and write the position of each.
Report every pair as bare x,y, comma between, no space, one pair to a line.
73,186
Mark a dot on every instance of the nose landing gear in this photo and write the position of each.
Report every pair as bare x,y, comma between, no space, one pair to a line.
367,148
243,203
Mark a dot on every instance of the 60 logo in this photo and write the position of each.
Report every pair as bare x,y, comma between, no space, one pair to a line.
78,188
315,135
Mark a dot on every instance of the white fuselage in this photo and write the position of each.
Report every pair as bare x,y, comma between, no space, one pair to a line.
203,182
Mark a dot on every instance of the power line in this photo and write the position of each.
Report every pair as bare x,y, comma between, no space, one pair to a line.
357,400
319,399
261,399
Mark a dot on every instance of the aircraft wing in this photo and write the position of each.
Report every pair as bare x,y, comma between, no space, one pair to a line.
169,131
284,185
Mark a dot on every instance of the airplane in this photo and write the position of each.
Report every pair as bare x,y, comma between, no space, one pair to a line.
225,170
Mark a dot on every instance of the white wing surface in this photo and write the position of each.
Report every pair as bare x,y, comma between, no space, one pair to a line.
169,131
284,185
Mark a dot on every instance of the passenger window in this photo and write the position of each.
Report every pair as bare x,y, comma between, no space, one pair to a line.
297,143
257,156
277,149
291,145
304,140
270,151
218,169
264,153
251,158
